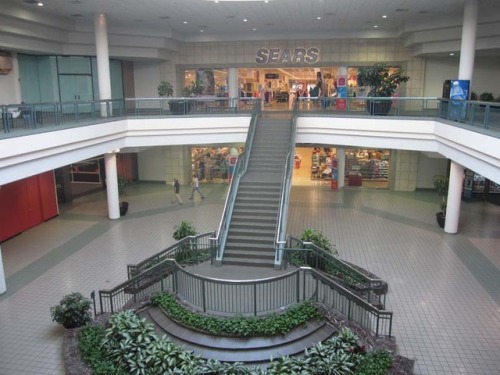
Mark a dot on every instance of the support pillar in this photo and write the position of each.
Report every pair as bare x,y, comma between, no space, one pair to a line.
102,56
340,151
468,44
112,186
3,285
454,198
465,71
234,89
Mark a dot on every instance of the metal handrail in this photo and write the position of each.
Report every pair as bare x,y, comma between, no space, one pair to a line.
194,244
280,240
368,286
219,239
50,116
245,297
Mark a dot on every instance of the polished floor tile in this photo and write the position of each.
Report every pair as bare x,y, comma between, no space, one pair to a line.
444,289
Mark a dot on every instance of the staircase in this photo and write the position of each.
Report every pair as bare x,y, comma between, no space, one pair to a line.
250,350
252,232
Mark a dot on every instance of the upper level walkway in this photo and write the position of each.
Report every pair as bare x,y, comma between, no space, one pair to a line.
19,120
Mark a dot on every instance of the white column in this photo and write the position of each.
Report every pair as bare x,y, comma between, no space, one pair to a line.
468,45
465,71
341,166
112,185
102,55
232,81
454,197
3,285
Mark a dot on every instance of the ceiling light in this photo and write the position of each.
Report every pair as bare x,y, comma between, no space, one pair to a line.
375,26
452,54
245,20
318,18
185,22
40,4
384,16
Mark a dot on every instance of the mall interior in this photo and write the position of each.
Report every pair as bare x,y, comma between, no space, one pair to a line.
444,288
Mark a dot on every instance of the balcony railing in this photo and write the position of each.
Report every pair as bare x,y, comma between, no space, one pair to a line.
23,119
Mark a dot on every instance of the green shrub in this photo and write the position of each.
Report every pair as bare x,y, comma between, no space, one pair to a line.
274,324
73,311
126,340
184,229
375,363
90,338
319,239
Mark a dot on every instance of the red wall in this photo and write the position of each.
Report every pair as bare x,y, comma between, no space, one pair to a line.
27,203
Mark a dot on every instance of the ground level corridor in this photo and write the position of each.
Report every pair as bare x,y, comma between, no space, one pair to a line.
444,289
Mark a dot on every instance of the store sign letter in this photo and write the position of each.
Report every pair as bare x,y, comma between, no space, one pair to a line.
287,56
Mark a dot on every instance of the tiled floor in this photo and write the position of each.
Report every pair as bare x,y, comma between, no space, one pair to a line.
444,289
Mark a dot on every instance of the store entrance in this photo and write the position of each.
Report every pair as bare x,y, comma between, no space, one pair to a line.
363,167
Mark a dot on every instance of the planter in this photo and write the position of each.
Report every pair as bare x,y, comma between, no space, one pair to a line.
123,208
440,217
180,107
378,107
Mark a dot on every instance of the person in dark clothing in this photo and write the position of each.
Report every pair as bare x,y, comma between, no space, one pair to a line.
177,188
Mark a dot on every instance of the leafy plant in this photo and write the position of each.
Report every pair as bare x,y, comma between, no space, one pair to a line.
440,183
126,340
89,342
273,324
192,89
184,229
486,97
73,311
375,363
319,239
122,184
383,80
165,88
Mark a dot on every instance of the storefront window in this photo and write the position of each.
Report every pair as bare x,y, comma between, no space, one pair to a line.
205,81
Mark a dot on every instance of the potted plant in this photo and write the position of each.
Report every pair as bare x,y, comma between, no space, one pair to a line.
383,82
440,183
183,230
165,89
122,183
72,311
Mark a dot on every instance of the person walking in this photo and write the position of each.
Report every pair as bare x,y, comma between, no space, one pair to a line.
177,188
196,187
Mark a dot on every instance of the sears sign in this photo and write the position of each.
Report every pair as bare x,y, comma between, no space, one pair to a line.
287,56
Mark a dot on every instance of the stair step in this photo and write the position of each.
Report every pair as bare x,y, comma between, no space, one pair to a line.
251,262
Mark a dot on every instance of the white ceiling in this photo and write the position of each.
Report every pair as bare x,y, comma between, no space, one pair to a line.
277,19
155,29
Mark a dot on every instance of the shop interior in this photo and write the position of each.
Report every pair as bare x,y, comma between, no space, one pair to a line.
367,168
278,86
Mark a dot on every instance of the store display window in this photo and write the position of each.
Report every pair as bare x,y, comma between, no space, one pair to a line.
369,164
211,164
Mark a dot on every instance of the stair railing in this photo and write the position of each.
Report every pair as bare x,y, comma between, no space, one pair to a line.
286,185
218,241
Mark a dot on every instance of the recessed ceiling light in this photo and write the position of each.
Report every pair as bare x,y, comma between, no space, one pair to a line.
201,30
185,22
254,29
318,18
40,4
375,26
452,54
245,20
384,16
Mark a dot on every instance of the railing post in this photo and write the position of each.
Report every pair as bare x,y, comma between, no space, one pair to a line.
203,296
297,284
92,296
486,116
100,301
111,304
255,299
378,324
